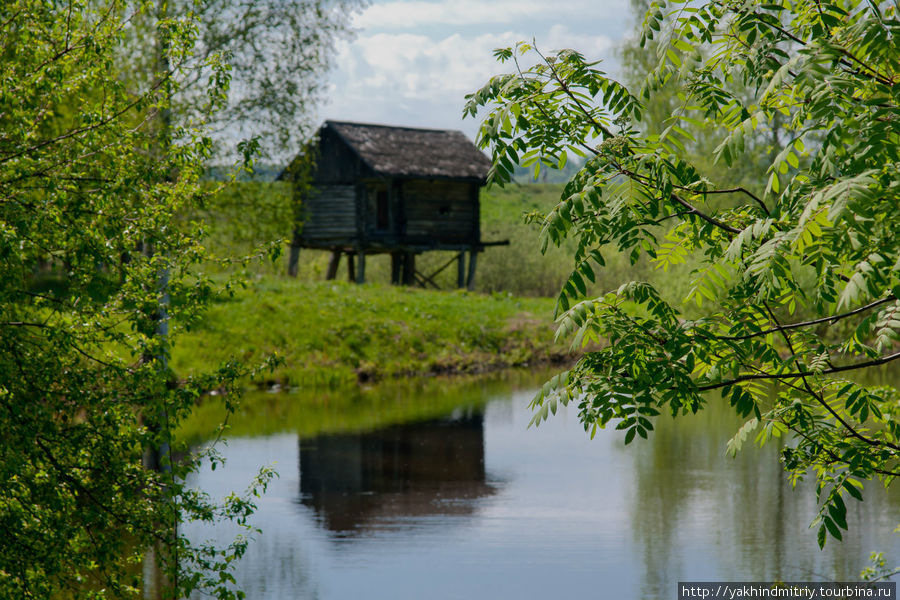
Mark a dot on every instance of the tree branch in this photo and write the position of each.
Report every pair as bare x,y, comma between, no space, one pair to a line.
568,92
74,132
691,208
734,190
797,375
818,396
831,319
64,474
703,215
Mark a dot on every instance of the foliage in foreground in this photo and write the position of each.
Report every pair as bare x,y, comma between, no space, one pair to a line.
93,268
820,237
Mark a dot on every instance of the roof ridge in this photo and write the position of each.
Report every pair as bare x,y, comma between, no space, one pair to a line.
384,126
411,151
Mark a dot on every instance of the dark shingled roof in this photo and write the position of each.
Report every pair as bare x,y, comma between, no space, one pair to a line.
413,152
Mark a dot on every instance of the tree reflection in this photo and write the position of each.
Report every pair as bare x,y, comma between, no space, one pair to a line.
692,500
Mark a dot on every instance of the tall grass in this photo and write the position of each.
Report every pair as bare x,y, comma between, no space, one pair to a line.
248,215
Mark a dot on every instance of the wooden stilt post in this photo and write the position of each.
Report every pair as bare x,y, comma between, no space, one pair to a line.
396,262
473,257
409,268
333,265
361,266
351,267
461,270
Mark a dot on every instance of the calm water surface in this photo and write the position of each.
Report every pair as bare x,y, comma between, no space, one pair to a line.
472,504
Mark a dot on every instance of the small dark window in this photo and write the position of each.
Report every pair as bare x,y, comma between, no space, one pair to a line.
382,212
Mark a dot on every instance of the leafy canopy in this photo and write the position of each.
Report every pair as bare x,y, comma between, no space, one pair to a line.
277,52
797,278
91,170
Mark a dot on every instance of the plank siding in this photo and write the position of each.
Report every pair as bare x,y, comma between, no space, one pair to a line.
329,214
439,210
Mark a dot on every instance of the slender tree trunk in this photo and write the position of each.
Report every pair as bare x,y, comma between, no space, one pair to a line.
293,259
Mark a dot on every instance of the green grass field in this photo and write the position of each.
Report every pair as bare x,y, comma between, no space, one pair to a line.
249,214
330,333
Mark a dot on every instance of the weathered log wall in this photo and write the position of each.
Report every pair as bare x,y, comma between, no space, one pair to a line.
441,211
329,215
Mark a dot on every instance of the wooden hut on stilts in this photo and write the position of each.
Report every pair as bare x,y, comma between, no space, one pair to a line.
400,190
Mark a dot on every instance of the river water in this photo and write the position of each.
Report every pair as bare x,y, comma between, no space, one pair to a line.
462,500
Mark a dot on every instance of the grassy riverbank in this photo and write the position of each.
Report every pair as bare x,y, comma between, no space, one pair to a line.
330,333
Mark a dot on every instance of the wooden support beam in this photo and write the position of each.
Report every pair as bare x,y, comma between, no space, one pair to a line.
409,268
333,265
351,267
473,258
425,279
440,269
461,270
361,267
396,262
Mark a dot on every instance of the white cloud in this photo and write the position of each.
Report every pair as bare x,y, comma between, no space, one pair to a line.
416,65
418,13
414,61
413,79
591,46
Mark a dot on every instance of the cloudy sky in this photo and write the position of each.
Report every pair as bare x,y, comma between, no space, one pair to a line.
413,61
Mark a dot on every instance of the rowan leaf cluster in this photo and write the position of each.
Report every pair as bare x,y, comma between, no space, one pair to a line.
796,277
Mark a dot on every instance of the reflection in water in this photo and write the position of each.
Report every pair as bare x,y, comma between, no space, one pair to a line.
700,515
355,481
476,505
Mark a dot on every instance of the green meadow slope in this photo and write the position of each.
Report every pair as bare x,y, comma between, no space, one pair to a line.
330,333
